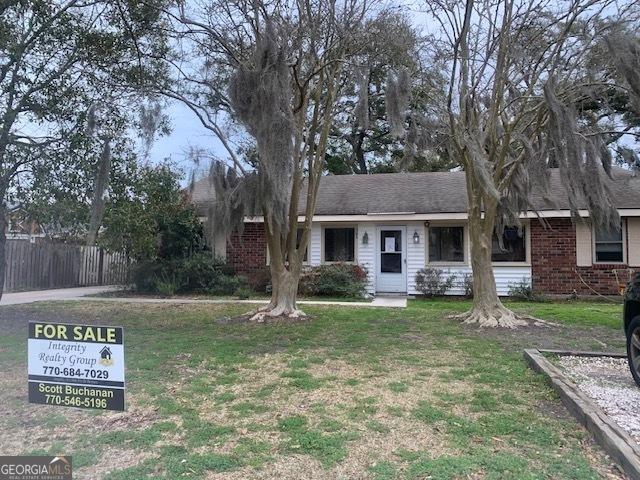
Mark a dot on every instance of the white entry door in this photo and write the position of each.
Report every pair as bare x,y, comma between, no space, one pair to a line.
391,274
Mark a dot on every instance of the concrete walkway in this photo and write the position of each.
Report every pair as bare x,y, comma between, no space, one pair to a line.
387,302
81,294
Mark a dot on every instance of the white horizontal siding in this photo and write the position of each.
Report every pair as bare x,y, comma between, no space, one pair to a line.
416,259
505,277
366,253
315,245
415,254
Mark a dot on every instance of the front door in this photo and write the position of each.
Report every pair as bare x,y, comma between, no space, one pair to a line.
391,275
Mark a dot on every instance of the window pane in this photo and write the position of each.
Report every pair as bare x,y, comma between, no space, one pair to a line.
391,263
609,236
514,247
609,252
446,244
609,246
339,244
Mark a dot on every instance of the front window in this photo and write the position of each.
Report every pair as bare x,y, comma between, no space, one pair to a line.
339,244
446,244
609,247
513,248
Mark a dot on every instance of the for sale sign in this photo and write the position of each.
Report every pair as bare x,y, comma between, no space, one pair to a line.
76,365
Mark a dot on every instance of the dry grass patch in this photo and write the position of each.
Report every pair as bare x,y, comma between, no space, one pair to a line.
113,459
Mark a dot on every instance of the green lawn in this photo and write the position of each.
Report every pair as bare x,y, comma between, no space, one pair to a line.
352,393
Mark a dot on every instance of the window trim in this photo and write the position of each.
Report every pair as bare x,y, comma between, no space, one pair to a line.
623,240
465,245
356,242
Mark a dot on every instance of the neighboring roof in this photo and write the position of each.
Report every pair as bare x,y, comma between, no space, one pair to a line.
425,193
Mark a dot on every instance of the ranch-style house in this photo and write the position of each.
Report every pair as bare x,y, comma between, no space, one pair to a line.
396,224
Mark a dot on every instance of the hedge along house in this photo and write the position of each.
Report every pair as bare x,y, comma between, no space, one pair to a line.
396,224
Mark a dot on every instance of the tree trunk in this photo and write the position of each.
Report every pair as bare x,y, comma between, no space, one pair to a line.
285,276
284,292
3,244
101,183
487,309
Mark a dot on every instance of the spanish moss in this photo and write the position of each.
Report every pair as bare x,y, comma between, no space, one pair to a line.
259,93
398,96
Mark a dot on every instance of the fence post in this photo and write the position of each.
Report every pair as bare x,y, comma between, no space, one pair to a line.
101,267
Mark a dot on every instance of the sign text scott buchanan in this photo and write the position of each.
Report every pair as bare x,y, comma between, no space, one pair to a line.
76,365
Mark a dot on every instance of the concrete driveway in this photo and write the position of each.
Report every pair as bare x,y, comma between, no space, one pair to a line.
45,295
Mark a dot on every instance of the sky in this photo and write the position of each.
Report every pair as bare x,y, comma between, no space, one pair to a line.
186,132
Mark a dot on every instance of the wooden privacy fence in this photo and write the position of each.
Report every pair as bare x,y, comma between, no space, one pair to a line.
38,266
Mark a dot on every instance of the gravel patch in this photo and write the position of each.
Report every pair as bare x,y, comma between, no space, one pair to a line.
609,383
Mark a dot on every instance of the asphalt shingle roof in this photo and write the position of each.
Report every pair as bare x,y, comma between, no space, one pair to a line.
424,193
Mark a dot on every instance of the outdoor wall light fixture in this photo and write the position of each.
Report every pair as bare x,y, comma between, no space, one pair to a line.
416,237
365,239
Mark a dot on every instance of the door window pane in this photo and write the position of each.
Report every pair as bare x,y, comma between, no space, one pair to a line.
609,246
514,246
391,263
446,244
390,251
390,241
339,244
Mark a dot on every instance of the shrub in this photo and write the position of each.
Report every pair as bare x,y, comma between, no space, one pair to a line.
335,279
198,273
167,287
433,282
243,293
260,280
203,273
467,285
522,290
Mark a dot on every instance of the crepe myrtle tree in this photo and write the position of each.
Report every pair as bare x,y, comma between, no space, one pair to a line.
57,58
519,73
269,74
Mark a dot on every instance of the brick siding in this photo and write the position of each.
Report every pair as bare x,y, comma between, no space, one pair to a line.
553,263
248,252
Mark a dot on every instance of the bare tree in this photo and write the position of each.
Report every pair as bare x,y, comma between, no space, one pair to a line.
519,73
269,74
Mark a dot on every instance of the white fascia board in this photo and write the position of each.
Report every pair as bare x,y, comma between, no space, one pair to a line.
378,217
395,217
623,212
